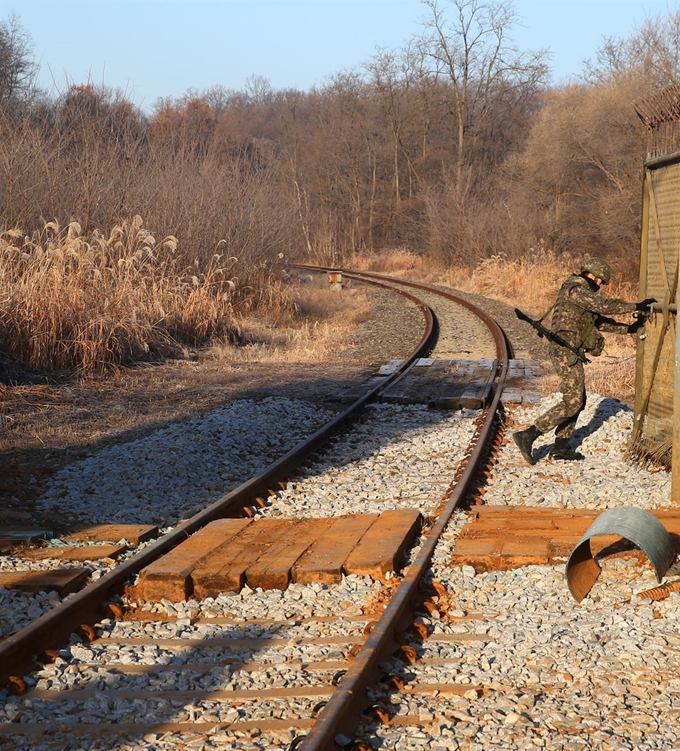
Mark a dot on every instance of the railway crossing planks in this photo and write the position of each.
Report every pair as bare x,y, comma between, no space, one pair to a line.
385,541
451,384
224,570
274,567
445,384
170,576
499,538
517,388
273,552
324,560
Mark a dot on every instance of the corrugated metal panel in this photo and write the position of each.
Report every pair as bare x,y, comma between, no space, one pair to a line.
665,182
659,277
660,413
663,190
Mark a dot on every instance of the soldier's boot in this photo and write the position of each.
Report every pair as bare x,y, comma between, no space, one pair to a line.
525,440
563,452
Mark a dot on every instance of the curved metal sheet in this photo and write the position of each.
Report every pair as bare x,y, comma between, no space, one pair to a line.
643,529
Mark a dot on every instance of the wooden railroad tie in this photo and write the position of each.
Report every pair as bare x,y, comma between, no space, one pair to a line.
105,541
499,538
271,553
63,580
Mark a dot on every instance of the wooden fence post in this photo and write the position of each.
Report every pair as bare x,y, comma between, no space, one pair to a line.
675,477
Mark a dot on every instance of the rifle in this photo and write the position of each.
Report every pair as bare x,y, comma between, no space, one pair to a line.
552,336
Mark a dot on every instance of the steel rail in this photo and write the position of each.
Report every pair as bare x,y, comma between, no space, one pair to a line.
19,651
342,713
372,277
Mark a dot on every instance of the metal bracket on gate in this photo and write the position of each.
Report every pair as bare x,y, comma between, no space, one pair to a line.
638,526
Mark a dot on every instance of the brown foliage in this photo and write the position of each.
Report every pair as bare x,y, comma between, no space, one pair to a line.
68,302
577,182
403,153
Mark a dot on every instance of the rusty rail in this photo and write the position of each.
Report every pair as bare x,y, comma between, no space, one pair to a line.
342,713
19,651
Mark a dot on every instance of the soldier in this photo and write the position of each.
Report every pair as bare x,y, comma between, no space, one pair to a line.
579,314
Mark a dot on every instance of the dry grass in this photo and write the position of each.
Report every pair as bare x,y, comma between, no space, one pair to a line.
43,428
318,327
613,373
73,303
387,262
530,283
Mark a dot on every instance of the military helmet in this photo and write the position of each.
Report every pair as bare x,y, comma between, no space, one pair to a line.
599,268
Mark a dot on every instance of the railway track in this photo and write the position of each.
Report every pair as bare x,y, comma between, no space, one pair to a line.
418,659
82,612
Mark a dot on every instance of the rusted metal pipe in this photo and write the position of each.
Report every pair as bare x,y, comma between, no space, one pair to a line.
638,526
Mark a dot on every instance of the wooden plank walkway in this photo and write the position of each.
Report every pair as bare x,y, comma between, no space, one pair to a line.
499,538
170,576
518,388
271,553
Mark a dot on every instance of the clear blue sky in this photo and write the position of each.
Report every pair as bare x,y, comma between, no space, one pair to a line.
155,48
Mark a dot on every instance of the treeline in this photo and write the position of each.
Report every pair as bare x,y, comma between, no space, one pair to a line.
454,146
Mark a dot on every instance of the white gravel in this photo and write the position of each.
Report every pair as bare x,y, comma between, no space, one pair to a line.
556,675
397,457
160,479
604,479
178,470
602,674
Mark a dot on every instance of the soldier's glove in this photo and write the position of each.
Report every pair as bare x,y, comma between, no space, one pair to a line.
634,327
644,304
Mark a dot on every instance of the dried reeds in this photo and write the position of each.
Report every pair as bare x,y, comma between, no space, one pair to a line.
530,282
69,302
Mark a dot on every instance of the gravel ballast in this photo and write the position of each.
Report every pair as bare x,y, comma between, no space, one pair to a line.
559,675
554,674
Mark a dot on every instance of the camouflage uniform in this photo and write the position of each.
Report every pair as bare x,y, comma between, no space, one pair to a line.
578,317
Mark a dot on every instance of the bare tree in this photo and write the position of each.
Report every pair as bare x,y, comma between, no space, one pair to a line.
391,90
651,53
259,89
219,98
473,52
17,68
575,187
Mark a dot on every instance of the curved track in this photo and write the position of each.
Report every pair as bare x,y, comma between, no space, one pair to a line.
341,714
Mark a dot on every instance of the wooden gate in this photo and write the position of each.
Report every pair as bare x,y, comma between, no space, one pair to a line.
656,424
